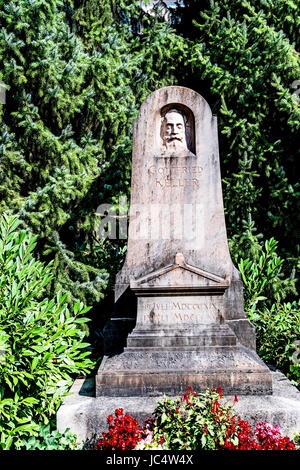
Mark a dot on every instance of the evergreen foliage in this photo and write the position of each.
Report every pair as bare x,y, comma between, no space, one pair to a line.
78,71
242,57
66,133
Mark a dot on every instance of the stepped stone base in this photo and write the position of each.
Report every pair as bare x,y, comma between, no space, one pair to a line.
86,415
172,372
164,359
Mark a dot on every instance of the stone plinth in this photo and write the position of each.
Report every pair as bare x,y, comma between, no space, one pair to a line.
172,370
86,415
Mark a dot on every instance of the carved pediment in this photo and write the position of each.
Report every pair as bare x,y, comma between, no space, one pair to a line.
180,277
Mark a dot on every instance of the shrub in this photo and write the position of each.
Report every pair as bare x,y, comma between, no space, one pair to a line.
277,332
148,439
297,440
50,440
42,341
263,277
277,322
195,421
266,438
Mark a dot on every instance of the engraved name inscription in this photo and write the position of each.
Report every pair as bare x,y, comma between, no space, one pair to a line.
175,176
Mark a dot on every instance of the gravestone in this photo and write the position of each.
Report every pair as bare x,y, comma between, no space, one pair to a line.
178,277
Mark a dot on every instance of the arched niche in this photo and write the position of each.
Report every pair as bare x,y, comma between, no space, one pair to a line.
185,115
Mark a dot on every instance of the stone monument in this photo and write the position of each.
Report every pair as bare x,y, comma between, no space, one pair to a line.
178,277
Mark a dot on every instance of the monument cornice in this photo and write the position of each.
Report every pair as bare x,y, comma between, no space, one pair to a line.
203,282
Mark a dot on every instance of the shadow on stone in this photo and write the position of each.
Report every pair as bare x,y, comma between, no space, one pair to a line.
119,326
87,388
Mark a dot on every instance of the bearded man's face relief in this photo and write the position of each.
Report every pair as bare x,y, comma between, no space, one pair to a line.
174,132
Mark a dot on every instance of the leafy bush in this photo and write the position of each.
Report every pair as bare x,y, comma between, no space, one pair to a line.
50,440
194,421
42,341
263,277
277,332
277,323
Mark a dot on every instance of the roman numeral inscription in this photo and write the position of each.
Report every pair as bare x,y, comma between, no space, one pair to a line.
190,310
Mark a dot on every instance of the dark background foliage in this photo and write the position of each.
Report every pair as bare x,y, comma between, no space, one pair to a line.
77,72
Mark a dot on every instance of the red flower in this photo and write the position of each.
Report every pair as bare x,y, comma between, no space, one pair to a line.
110,419
190,392
220,391
123,434
215,407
